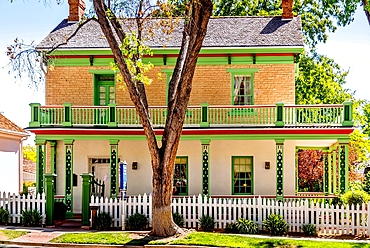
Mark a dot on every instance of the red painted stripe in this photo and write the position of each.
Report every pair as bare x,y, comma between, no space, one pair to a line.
272,131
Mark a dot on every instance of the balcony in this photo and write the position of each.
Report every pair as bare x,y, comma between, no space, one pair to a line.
203,116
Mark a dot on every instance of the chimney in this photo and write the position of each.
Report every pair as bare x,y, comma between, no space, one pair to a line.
287,9
76,10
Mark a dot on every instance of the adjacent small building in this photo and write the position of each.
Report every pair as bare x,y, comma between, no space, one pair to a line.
11,158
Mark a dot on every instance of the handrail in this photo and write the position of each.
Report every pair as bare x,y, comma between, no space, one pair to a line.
204,115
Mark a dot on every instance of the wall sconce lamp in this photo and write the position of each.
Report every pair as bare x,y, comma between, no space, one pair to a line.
267,165
134,165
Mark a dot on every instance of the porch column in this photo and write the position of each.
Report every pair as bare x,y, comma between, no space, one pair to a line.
53,161
296,172
205,167
40,165
326,172
49,188
69,177
86,190
330,168
113,168
279,169
343,166
334,163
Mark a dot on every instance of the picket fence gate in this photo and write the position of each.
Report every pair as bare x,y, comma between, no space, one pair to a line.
328,219
15,204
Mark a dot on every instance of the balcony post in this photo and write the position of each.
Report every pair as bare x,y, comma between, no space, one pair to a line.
204,121
279,114
112,115
67,113
35,115
347,114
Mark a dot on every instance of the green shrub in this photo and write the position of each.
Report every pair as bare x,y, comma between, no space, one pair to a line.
336,201
207,223
231,228
355,197
103,221
309,229
276,225
4,216
178,219
366,184
246,226
137,222
31,218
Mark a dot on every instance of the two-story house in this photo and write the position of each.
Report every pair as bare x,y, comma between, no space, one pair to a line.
242,130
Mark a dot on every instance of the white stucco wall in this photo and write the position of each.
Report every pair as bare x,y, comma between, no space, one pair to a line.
140,181
9,165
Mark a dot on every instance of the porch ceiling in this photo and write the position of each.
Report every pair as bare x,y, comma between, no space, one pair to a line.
315,143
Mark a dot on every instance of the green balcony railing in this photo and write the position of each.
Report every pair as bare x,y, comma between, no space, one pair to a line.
199,116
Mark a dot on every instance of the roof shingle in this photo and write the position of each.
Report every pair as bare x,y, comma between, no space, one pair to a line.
7,125
222,32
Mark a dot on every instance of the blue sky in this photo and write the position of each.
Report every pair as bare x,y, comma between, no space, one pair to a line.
32,20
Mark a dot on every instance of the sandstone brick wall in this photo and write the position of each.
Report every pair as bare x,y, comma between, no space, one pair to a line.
272,83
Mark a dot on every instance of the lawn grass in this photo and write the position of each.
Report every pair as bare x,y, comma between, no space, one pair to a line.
108,238
202,238
11,234
225,240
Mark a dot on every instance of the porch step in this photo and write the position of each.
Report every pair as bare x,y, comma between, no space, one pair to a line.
75,222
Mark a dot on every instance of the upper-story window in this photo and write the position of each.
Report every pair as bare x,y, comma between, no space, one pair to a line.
105,90
242,85
243,90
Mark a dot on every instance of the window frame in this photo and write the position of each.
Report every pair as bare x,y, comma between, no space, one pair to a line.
98,83
187,176
251,178
241,72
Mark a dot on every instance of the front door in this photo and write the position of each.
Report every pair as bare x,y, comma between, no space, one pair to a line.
100,168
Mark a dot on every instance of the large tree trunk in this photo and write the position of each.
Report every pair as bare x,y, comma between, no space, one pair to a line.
163,159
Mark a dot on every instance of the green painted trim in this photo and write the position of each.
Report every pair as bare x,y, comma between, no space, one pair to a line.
68,155
330,190
40,167
296,171
86,190
103,72
204,50
324,148
35,115
114,188
205,141
67,112
71,138
206,168
279,170
49,192
68,142
274,59
280,114
241,71
106,84
334,162
167,71
232,175
187,175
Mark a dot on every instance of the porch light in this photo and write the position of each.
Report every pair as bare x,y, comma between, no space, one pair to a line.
267,165
134,165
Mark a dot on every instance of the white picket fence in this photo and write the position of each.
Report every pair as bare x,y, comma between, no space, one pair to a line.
328,219
15,204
